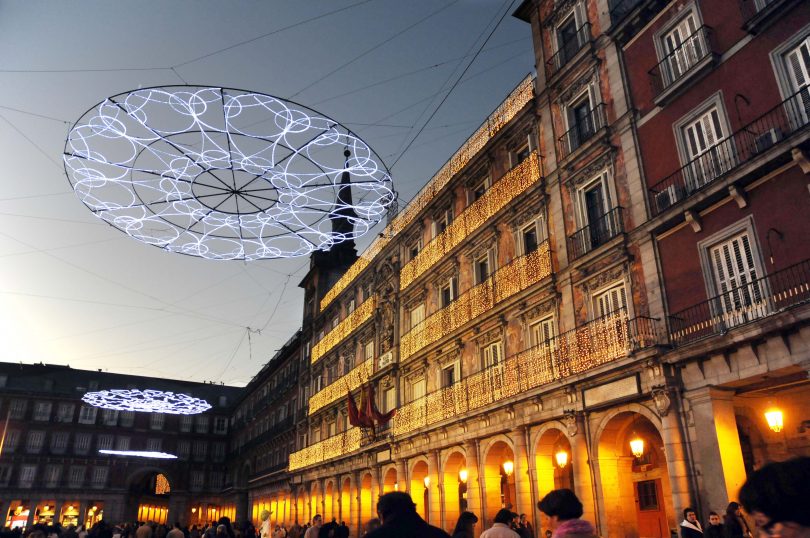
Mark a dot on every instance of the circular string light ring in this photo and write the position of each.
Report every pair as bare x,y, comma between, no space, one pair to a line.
224,174
147,401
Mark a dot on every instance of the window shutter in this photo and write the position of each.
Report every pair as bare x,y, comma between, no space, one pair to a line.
798,67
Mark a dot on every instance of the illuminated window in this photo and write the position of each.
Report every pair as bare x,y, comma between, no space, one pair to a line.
42,411
316,434
162,486
389,399
331,428
417,315
368,350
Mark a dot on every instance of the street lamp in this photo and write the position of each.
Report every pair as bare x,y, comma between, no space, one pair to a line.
462,475
775,419
637,446
426,480
508,467
562,459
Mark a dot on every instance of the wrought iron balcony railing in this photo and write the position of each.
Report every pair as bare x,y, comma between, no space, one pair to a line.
683,60
582,130
781,122
596,343
568,50
742,304
596,233
510,279
338,388
329,448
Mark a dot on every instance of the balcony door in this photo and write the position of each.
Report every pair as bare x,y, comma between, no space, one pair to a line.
683,48
798,68
595,206
708,155
581,125
741,297
567,39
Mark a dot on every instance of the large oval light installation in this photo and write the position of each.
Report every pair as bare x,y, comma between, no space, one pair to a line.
139,454
223,173
147,401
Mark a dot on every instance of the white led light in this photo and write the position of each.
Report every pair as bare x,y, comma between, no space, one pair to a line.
223,174
149,401
140,454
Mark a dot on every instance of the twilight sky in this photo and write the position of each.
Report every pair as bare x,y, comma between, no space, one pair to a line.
76,291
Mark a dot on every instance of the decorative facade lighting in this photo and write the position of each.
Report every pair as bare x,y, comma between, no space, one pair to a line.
332,447
508,467
513,104
462,476
775,419
223,173
337,390
147,401
350,323
139,454
561,457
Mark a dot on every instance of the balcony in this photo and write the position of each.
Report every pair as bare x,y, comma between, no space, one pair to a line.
568,50
596,233
694,56
744,304
598,342
510,279
583,129
758,14
338,389
350,323
788,118
515,182
332,447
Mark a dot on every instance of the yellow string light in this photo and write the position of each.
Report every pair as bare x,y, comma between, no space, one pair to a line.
496,121
337,445
350,323
505,282
511,185
575,351
333,392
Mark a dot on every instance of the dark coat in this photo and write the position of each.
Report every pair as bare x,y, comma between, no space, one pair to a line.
687,532
407,526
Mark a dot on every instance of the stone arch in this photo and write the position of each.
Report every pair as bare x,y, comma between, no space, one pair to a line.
455,491
551,440
329,490
346,500
368,508
389,479
314,500
635,491
498,483
419,472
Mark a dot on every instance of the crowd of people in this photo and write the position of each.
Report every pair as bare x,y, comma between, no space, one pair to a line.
776,497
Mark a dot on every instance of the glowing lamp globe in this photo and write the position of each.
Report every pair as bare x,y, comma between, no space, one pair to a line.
427,481
637,446
562,459
508,467
775,420
462,475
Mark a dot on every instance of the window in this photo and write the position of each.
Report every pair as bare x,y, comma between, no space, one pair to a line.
201,424
442,221
528,236
351,306
52,475
59,442
153,444
316,434
11,441
218,451
127,418
518,156
3,380
92,385
186,421
42,411
109,417
183,449
418,388
542,331
27,475
217,479
414,248
220,425
389,399
223,401
647,495
200,450
105,442
18,409
493,356
368,350
734,270
5,474
417,315
599,223
76,478
65,412
450,374
449,292
81,443
34,442
683,47
483,267
583,121
122,443
331,428
707,156
87,414
479,189
99,477
156,421
613,299
797,66
335,321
